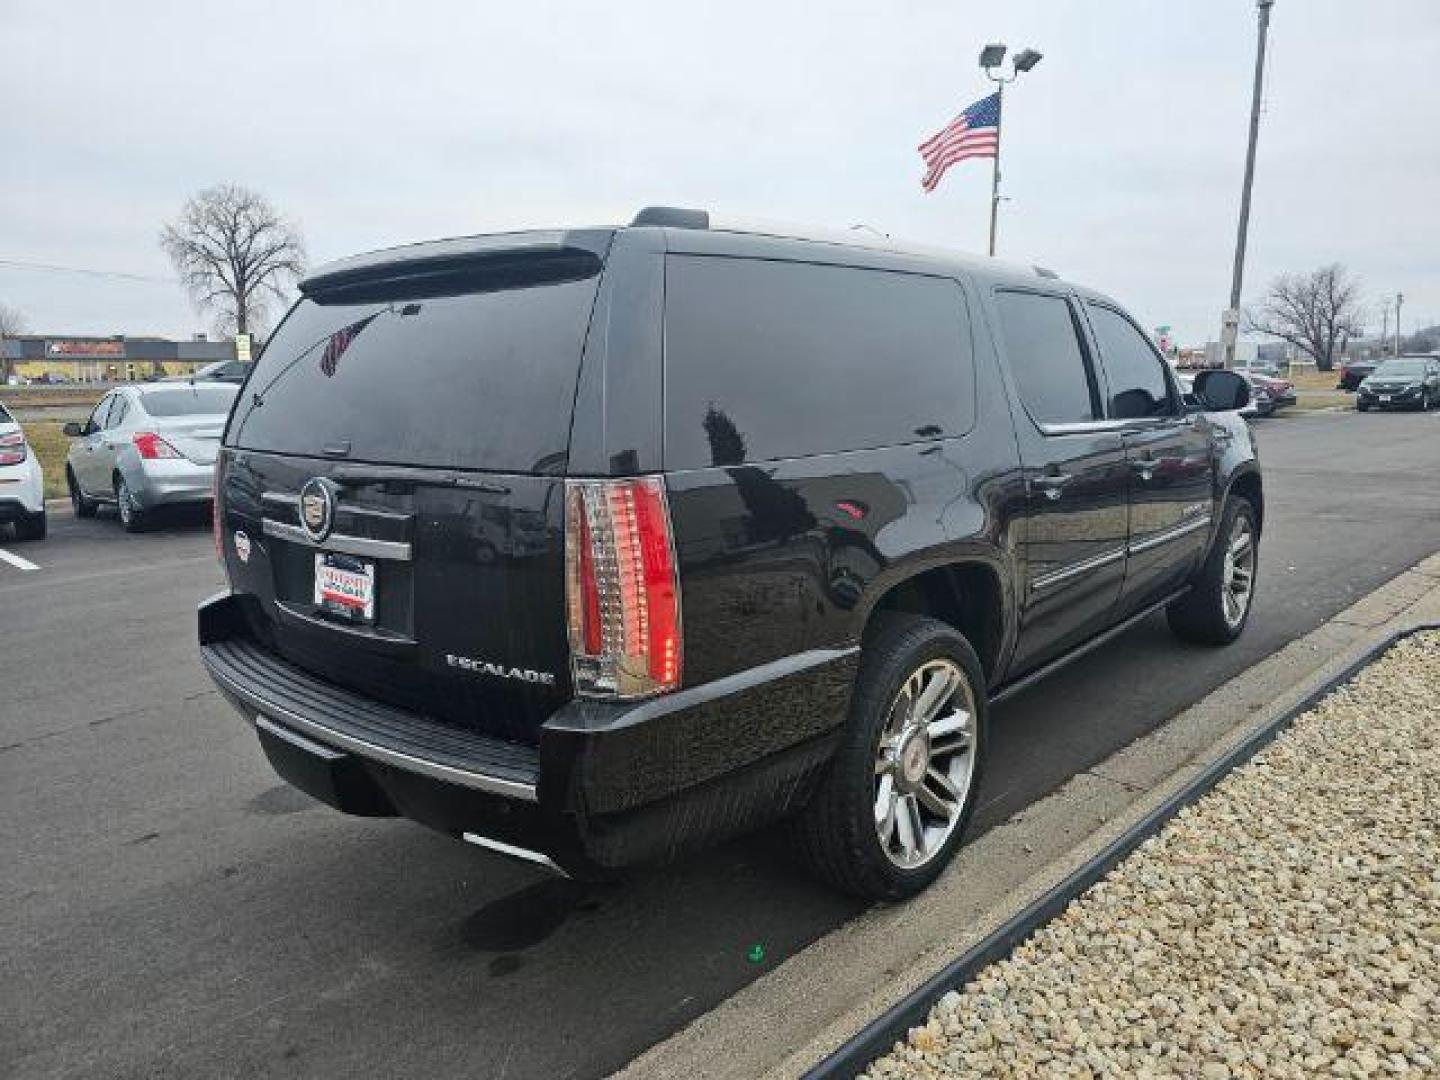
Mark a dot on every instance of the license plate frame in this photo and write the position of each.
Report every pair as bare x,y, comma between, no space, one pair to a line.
345,586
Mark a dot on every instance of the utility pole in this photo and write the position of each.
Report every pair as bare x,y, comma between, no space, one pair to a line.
1231,322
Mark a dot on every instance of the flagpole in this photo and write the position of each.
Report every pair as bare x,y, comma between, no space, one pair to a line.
995,176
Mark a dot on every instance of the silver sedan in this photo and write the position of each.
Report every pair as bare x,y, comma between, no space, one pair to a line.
147,446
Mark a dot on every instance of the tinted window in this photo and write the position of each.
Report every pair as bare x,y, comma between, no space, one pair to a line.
774,359
189,401
1136,374
1046,358
482,380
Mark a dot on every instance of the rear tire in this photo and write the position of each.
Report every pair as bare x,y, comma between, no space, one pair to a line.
1208,614
84,508
917,755
31,529
132,518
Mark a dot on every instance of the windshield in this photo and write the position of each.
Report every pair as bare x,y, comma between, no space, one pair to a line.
188,401
479,380
1401,369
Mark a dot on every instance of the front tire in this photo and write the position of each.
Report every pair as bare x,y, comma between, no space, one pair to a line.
892,808
1217,607
84,508
132,518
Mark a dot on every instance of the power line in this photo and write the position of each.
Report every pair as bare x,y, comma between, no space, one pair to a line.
22,264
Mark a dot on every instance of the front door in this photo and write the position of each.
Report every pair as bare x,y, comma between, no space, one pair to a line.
1167,450
1076,478
88,462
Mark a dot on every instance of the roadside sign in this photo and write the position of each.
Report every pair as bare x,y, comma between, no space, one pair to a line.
1229,327
242,347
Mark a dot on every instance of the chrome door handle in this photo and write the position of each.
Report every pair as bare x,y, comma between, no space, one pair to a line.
1050,484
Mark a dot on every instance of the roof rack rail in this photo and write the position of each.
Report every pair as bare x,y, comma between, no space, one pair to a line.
673,217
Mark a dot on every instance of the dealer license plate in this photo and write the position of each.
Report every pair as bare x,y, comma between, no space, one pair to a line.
345,586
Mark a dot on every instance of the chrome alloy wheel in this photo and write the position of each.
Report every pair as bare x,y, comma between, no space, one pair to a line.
924,764
1239,572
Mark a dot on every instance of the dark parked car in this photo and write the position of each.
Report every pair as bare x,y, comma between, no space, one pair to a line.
1353,372
590,546
1407,382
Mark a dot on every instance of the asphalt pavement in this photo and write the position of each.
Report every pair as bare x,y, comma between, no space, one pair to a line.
169,908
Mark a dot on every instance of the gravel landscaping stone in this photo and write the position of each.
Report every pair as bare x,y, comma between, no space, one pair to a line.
1287,924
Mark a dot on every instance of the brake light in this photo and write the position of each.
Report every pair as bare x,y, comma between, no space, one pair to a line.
622,588
12,448
152,447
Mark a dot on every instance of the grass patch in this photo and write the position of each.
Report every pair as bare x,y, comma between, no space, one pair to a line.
47,438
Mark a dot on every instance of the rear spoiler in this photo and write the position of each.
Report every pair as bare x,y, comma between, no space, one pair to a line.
464,264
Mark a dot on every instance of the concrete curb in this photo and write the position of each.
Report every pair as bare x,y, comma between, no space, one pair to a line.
794,1017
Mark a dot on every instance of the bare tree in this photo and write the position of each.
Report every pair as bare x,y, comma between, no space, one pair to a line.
12,324
1314,312
234,253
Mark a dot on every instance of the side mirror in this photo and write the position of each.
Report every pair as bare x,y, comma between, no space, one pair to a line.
74,429
1221,391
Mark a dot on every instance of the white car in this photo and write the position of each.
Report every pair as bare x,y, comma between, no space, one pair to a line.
22,483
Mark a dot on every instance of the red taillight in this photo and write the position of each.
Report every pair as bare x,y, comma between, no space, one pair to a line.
12,448
152,447
622,588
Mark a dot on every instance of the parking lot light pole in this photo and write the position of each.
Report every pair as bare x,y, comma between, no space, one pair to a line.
991,57
1232,314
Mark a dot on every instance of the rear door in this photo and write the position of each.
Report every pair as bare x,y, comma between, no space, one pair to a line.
1075,477
397,462
1168,456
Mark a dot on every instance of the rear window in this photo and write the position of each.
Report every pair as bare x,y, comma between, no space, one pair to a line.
482,380
769,360
189,401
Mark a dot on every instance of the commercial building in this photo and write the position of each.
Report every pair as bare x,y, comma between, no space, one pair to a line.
84,358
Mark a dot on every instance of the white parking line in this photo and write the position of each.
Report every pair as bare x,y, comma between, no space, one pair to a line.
16,561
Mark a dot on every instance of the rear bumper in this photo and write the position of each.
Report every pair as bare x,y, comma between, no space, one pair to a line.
607,786
22,490
169,482
15,510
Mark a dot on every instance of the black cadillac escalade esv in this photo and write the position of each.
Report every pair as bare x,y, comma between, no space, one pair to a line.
587,546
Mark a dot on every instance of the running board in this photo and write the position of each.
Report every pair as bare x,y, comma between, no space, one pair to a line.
1007,692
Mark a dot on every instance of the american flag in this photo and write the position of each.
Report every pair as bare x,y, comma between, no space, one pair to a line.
974,133
338,343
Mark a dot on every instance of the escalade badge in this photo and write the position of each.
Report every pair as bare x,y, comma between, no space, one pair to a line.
500,671
317,509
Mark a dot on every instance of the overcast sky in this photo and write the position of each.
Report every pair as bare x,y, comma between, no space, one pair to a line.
376,123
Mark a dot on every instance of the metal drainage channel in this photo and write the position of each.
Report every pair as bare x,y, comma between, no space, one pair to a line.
878,1037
